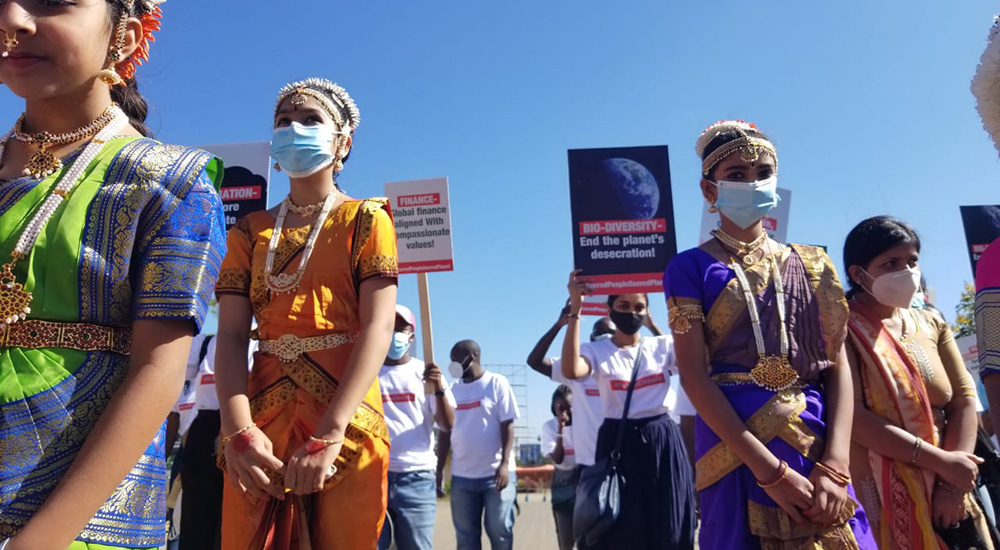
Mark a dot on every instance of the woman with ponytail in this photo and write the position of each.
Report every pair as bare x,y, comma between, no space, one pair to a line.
111,245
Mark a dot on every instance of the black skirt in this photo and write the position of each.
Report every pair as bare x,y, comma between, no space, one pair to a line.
658,504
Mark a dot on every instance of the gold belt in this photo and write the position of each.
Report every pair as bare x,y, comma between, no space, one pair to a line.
290,347
35,333
739,378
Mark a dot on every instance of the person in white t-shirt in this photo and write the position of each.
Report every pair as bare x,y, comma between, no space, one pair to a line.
557,444
657,501
410,415
482,445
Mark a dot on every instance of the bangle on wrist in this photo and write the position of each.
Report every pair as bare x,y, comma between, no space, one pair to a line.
573,315
838,477
916,450
225,439
439,393
782,473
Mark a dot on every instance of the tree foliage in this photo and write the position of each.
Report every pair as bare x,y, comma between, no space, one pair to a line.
965,317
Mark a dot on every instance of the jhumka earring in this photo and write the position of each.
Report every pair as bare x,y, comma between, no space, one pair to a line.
10,42
712,209
110,77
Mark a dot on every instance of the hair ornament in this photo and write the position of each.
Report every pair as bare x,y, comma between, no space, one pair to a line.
150,17
986,85
750,147
332,97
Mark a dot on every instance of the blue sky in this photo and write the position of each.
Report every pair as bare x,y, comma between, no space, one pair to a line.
868,103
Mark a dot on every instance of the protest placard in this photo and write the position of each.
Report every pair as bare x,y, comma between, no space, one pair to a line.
775,222
423,224
623,219
982,227
246,179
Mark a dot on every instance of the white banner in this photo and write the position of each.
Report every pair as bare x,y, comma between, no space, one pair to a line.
423,224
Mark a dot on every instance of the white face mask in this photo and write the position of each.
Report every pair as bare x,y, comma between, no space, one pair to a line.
456,369
896,289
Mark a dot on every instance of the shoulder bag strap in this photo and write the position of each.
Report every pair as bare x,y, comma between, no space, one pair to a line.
616,454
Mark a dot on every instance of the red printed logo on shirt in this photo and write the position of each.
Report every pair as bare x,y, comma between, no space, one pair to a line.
186,406
644,382
208,379
569,452
592,392
399,397
467,406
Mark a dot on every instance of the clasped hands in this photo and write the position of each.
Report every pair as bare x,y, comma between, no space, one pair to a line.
254,469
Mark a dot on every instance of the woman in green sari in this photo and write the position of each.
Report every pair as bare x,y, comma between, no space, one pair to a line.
111,244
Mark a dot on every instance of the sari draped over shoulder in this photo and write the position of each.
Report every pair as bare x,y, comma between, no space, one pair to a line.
141,236
735,512
897,493
287,399
988,310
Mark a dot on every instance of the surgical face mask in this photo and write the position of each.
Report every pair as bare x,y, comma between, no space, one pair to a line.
599,337
399,346
896,289
919,301
302,150
745,203
627,321
456,369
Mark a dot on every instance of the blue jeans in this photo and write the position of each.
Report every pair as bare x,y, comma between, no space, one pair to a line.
469,498
410,514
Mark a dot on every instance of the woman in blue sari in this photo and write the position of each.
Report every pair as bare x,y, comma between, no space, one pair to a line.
759,331
111,244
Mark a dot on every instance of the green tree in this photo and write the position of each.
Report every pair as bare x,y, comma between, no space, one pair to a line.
965,313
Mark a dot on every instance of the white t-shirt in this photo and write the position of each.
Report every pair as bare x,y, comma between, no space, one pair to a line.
550,432
611,367
409,414
185,405
480,407
588,413
206,397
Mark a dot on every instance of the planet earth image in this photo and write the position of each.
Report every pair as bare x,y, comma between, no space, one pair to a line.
635,187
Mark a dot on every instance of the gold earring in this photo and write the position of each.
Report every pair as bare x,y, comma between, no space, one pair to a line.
711,208
10,42
277,167
338,165
111,77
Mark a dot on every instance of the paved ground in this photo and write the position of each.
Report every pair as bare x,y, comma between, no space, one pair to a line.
534,528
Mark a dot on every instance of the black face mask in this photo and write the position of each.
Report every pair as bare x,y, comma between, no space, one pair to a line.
628,322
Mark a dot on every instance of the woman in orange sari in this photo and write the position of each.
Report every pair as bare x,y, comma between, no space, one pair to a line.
306,447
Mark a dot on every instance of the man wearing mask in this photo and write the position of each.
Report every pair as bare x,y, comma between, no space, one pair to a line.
410,415
481,442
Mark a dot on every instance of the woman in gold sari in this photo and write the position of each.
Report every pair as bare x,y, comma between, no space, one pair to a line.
915,418
305,443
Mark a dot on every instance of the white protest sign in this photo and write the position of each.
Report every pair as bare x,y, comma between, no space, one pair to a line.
423,224
775,223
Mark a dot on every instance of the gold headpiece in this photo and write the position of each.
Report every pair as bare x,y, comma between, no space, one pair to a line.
333,98
751,148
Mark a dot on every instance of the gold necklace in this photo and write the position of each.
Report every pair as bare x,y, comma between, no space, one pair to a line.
43,163
289,282
305,211
745,251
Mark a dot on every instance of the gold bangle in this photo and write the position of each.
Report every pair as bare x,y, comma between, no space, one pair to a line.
838,477
782,473
916,450
227,438
326,442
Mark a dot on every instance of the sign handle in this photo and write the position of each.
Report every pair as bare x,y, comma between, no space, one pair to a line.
426,330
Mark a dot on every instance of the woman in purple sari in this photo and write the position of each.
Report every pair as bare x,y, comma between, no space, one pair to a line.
759,330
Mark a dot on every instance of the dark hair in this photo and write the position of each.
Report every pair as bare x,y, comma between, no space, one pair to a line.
562,392
872,237
613,297
725,137
127,96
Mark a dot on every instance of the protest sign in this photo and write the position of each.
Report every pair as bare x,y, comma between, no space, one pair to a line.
775,222
423,224
623,219
245,182
982,227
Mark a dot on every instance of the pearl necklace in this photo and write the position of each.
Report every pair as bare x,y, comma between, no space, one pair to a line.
304,211
284,282
15,302
773,372
43,163
744,250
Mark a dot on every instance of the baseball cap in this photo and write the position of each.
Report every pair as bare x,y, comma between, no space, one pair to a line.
406,314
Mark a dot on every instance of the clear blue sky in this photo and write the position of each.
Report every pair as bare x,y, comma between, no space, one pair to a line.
868,102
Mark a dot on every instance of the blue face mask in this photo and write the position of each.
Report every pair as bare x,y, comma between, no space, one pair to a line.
399,346
745,203
302,150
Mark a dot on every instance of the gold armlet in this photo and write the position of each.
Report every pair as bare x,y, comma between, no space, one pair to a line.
680,317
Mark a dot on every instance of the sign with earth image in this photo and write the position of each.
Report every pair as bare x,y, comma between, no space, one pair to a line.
623,217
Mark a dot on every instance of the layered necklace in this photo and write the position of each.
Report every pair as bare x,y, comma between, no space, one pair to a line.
15,302
289,282
773,372
745,251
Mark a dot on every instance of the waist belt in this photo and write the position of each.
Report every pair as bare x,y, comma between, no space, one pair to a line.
739,378
35,333
289,347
